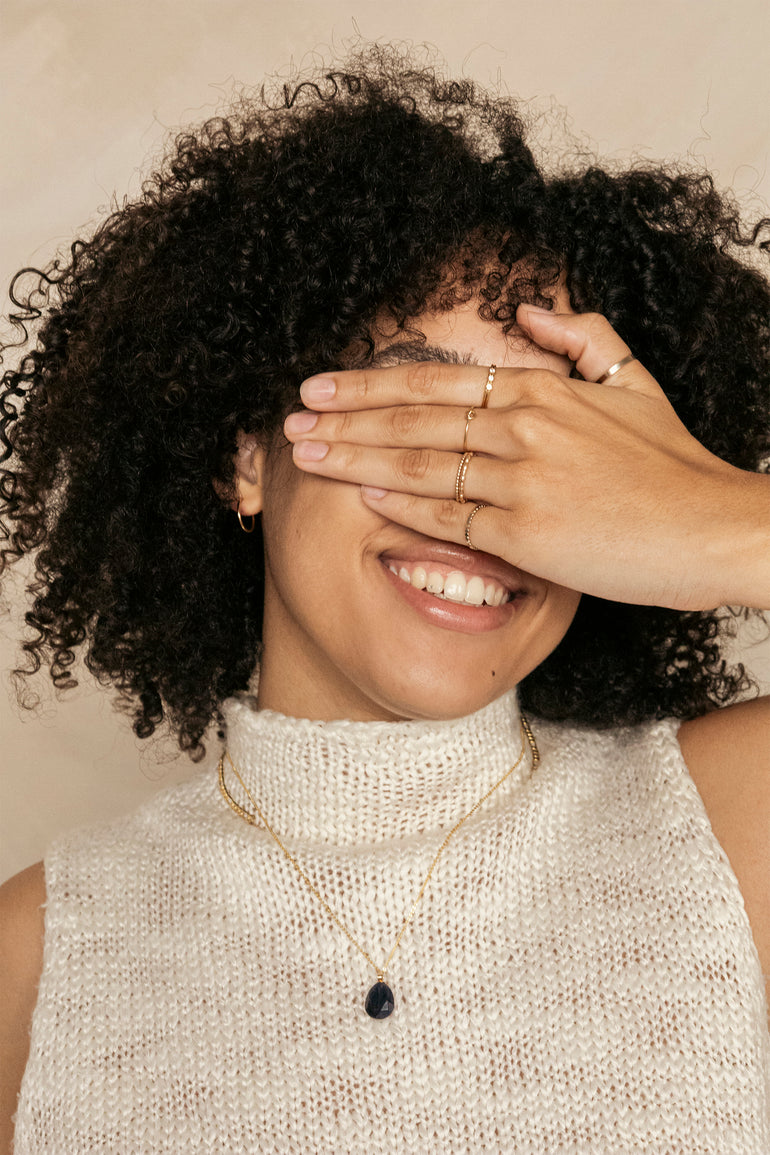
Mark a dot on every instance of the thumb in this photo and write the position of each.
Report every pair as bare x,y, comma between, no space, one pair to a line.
589,340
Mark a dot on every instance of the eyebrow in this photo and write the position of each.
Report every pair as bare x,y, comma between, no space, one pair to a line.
404,351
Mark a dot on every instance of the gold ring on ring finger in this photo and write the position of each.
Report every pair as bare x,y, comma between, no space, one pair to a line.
462,469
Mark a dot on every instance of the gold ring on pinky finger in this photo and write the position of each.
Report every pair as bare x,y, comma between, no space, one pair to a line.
462,469
613,369
488,386
468,524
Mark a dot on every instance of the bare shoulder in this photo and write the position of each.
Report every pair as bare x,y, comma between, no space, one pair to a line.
21,959
728,755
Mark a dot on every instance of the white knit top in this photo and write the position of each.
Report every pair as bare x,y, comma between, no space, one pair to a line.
579,977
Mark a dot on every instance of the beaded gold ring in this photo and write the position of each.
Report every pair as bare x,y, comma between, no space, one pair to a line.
468,523
462,469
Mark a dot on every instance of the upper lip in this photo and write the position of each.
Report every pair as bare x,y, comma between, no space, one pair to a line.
447,553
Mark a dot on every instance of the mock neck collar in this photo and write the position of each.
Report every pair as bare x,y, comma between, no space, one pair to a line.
345,782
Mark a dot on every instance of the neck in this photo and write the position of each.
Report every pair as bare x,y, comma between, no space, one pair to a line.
346,782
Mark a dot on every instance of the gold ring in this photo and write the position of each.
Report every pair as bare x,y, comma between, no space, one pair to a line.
488,386
468,418
471,516
462,469
613,369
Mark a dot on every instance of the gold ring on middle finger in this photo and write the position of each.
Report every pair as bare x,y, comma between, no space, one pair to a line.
462,469
468,418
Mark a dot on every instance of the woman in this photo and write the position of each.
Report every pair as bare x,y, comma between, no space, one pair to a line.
400,913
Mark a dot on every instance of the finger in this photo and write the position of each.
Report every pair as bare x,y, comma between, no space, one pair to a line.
412,426
423,472
589,340
421,382
445,520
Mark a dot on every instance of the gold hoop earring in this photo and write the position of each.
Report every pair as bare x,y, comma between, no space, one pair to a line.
241,523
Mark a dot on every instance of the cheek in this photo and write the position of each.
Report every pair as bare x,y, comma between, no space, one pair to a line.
312,528
292,520
564,603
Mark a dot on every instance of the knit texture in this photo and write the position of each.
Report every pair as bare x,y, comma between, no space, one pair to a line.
579,977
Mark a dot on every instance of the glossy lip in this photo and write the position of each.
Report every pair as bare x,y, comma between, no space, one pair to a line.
445,556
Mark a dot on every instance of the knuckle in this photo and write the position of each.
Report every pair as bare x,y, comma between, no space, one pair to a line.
405,422
595,324
421,379
364,384
530,427
537,389
343,426
446,515
414,464
347,457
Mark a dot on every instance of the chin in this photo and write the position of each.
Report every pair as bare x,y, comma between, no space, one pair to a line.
434,700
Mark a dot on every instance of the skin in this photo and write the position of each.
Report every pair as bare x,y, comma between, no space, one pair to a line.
341,640
597,487
563,464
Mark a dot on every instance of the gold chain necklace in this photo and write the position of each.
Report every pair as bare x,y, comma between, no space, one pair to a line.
379,1000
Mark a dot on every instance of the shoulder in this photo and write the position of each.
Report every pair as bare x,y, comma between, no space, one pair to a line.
22,899
727,754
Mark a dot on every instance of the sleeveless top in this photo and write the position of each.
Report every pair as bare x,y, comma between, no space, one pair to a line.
580,975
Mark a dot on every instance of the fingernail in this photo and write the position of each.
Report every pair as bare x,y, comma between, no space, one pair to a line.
537,309
300,422
317,389
373,492
311,450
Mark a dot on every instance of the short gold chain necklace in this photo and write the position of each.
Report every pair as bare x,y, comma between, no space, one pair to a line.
379,1000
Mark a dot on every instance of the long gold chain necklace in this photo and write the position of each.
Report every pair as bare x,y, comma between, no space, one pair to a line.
379,1000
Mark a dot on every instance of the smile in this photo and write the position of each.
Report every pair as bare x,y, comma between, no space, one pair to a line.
452,585
453,588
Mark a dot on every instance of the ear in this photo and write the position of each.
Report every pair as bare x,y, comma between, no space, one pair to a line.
249,475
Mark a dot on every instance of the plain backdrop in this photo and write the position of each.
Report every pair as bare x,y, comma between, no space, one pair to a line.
91,90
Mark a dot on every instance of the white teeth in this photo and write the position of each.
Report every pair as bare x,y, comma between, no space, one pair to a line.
455,587
435,583
474,593
419,578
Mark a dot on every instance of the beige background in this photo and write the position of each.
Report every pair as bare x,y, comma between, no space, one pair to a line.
91,88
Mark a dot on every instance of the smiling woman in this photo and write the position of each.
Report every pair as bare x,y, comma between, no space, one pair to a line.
421,474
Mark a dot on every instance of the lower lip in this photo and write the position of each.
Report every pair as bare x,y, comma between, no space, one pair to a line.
458,616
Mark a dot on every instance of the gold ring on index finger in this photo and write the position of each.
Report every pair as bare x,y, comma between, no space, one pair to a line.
613,369
488,386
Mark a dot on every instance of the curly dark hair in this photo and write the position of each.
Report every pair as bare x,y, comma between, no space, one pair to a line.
262,251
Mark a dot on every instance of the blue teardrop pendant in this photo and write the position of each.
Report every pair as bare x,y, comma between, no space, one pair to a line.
379,1002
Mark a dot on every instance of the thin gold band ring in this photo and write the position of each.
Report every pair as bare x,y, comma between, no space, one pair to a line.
613,369
468,418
